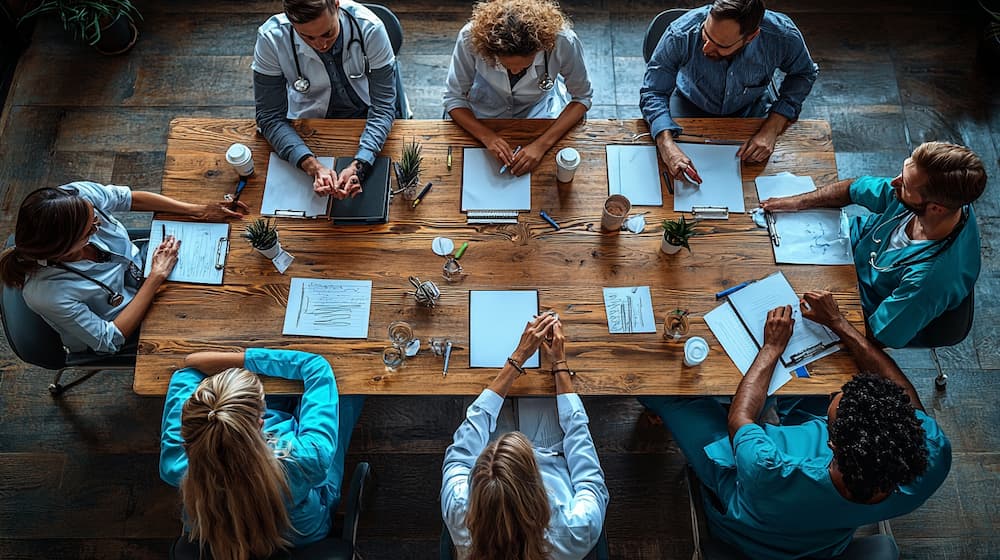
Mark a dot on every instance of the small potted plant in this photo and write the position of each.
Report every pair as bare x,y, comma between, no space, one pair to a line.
989,43
106,25
676,234
263,236
409,169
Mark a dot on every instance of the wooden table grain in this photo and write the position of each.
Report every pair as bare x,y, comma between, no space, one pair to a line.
568,267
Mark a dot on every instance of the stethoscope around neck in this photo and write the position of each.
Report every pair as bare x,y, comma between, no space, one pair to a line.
301,83
545,82
114,298
941,245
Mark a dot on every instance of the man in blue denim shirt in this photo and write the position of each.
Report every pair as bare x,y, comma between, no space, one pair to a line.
719,60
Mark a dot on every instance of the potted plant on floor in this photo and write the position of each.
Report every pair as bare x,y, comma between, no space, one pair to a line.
409,169
989,43
676,234
106,25
263,236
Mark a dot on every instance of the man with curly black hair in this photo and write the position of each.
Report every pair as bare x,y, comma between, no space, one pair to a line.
801,489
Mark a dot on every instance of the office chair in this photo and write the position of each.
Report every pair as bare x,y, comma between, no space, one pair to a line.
874,547
333,547
36,343
599,552
948,329
395,31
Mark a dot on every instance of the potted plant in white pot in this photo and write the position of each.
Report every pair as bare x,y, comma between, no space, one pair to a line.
676,234
263,236
106,25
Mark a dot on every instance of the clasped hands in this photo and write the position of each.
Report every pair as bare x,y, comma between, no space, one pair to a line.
525,160
545,332
327,182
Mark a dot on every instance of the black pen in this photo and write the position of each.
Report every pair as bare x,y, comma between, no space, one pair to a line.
421,195
669,182
163,230
239,190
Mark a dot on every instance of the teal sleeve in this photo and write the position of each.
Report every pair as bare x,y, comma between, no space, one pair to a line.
757,458
907,310
173,458
874,193
316,435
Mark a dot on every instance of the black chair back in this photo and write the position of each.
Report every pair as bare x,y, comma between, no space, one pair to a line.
392,26
656,29
949,328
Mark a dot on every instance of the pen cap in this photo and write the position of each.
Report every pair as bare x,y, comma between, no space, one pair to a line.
567,160
241,158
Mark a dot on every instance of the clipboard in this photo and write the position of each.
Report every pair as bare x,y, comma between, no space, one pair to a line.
203,251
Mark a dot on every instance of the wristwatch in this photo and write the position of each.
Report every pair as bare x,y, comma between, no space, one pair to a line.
363,167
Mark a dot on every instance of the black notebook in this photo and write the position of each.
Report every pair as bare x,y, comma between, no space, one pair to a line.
372,205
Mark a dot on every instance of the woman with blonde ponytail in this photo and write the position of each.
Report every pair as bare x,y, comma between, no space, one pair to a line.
534,495
254,480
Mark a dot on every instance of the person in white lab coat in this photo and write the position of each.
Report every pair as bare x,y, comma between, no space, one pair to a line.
517,59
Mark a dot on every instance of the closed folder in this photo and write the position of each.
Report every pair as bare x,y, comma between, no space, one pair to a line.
371,206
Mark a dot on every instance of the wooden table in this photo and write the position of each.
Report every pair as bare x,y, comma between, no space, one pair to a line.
567,267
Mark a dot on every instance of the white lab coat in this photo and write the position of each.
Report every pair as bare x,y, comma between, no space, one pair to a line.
273,57
484,88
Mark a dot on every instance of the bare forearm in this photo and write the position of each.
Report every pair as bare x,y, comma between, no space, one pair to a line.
752,391
211,363
775,124
152,202
871,358
468,121
131,317
567,120
836,195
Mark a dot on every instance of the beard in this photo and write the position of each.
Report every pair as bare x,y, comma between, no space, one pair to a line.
916,210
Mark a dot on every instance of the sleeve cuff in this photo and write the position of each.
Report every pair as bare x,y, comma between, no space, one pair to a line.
453,104
664,122
490,402
366,155
298,154
786,109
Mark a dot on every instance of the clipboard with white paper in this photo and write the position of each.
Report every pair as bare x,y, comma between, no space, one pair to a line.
815,236
721,179
201,258
485,188
634,171
288,191
496,322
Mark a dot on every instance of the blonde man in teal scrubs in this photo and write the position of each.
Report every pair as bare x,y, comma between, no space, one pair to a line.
917,255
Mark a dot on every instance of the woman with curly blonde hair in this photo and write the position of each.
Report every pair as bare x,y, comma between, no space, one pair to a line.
254,480
536,495
517,59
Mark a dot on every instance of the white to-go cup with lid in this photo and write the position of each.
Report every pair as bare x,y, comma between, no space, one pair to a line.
695,351
567,160
241,158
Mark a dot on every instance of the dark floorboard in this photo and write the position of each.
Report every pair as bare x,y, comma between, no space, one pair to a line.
78,475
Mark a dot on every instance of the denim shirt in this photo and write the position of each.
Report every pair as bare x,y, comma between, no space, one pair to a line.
723,87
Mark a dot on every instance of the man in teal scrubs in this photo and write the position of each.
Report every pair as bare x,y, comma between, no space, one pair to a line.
917,255
802,489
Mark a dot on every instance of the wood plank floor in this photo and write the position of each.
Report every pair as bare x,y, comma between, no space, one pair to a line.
78,475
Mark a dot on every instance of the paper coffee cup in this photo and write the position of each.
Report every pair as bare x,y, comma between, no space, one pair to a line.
241,158
616,207
695,351
567,160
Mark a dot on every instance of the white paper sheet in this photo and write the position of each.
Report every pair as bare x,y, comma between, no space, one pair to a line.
753,302
634,172
484,188
202,255
739,345
288,191
817,236
721,185
496,321
328,308
629,310
783,184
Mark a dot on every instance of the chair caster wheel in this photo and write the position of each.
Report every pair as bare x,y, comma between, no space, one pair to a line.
56,389
941,381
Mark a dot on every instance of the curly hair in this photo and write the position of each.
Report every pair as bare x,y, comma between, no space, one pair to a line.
879,442
515,27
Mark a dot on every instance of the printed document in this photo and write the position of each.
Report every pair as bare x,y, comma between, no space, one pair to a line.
815,236
739,345
328,308
629,310
202,255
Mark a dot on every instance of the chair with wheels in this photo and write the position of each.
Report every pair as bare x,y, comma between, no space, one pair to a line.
599,552
948,329
36,343
342,546
874,547
395,31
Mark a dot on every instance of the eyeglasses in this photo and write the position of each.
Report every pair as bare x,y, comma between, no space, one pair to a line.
708,39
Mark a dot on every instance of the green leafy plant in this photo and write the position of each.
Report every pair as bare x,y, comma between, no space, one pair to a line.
679,232
261,233
410,163
84,18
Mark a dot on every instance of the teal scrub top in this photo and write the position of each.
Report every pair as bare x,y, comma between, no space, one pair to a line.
902,300
310,439
783,504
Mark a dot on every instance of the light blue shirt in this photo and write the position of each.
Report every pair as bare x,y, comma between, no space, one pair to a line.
310,438
723,87
902,300
783,504
574,481
75,307
484,88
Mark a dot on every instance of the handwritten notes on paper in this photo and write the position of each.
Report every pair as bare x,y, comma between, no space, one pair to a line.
202,254
329,308
629,310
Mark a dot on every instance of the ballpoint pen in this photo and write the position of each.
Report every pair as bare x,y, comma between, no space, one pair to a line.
503,169
772,229
669,182
449,158
447,356
461,250
163,230
239,190
549,219
732,289
420,196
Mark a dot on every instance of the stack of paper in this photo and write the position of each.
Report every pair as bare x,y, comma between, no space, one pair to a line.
488,195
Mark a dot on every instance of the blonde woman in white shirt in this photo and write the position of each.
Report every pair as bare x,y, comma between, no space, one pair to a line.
517,59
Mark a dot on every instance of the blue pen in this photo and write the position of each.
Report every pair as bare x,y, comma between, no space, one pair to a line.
503,169
728,291
239,190
549,219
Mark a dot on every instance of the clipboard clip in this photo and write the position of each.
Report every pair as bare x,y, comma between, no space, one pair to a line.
772,229
807,353
289,213
710,212
221,251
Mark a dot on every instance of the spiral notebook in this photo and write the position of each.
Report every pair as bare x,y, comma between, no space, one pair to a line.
489,196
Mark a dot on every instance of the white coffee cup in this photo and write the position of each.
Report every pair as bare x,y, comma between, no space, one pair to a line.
695,351
567,160
241,158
